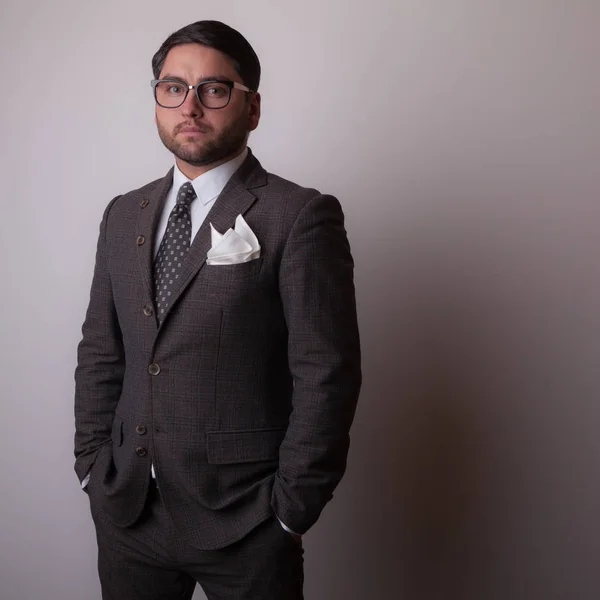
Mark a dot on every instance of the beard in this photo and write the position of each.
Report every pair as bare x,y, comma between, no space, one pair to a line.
225,144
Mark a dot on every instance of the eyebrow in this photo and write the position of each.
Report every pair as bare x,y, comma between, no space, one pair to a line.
209,78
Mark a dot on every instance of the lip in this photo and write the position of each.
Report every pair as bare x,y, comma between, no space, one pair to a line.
191,130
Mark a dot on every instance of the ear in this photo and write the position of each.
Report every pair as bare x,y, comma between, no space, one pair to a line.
254,111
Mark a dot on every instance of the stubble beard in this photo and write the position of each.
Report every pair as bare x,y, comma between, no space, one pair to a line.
224,145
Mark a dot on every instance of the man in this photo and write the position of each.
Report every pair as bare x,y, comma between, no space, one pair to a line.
219,368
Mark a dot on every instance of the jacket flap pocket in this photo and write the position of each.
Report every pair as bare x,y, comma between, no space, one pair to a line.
253,445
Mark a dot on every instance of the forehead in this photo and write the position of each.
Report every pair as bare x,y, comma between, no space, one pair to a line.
196,62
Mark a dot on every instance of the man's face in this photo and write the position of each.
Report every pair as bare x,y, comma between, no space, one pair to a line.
195,134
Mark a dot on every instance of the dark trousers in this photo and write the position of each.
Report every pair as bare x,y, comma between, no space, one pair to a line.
148,562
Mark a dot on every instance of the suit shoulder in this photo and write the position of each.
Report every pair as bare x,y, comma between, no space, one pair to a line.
285,197
133,197
290,196
277,185
147,189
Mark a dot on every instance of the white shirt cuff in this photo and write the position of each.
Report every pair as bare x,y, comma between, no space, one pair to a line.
287,528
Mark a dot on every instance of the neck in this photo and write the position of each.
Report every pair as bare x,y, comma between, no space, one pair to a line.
193,171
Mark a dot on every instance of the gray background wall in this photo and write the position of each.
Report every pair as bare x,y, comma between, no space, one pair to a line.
463,140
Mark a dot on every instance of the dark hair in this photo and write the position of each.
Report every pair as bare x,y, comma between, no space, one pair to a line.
219,36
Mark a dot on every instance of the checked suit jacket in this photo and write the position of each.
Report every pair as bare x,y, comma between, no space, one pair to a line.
243,397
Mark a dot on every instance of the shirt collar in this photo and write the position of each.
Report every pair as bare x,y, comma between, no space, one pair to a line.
210,184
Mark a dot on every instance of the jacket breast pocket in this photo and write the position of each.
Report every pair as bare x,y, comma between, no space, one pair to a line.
247,270
243,446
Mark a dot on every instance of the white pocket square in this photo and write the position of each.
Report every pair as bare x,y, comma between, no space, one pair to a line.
235,246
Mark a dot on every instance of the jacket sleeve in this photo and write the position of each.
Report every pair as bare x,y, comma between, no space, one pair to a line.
317,291
100,363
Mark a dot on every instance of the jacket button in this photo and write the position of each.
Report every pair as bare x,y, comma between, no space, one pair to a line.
140,429
144,203
148,310
140,240
141,451
154,369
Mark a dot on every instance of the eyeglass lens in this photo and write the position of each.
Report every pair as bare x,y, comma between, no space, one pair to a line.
171,94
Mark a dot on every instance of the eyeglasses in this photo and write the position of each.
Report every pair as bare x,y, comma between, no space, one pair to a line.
171,93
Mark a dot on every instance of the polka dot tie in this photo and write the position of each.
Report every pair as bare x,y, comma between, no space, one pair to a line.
173,249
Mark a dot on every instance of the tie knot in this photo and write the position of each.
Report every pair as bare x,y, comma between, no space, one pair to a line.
186,194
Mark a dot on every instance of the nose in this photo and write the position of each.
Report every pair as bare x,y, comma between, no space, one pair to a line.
192,107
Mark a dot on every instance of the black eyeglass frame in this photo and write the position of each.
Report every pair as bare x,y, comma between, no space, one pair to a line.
230,84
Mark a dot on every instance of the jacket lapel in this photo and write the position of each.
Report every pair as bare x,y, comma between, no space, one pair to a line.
151,206
235,199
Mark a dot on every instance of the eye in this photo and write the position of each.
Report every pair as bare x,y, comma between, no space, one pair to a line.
170,89
215,90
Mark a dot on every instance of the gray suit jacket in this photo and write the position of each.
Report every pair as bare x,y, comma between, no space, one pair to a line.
244,396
